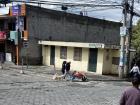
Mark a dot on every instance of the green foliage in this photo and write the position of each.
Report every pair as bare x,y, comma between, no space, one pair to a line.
136,37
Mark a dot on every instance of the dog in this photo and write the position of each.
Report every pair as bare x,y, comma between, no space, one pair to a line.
58,77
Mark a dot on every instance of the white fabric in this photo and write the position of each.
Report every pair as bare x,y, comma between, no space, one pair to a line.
135,69
4,11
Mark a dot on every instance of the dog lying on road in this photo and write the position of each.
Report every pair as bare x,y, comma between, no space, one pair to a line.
58,77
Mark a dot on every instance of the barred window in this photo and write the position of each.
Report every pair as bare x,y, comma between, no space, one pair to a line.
63,53
77,54
115,60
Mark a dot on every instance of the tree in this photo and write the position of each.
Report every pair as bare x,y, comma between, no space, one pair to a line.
136,43
136,37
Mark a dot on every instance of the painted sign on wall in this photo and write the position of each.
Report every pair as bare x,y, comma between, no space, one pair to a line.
16,10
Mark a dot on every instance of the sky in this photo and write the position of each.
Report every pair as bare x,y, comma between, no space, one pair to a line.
112,14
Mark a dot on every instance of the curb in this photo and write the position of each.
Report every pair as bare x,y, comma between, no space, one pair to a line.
107,80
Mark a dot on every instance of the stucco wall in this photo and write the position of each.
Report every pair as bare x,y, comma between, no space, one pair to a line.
115,53
107,61
75,65
100,56
46,55
104,59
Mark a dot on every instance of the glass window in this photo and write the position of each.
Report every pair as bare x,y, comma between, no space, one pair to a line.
63,53
77,54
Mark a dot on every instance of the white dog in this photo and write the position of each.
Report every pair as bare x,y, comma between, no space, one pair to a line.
58,77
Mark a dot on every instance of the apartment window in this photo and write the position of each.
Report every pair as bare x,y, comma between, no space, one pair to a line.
77,54
63,53
115,60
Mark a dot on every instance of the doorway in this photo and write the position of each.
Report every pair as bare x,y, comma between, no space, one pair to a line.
52,55
2,52
92,60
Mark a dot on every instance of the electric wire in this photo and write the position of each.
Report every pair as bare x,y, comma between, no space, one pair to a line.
80,5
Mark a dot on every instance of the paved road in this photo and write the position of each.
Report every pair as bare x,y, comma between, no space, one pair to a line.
36,88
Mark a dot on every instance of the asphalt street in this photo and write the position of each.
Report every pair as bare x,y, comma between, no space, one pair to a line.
36,87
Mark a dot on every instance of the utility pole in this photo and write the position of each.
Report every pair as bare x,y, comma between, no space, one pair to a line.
17,46
122,42
128,39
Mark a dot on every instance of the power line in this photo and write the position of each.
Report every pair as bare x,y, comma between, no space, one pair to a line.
91,5
71,4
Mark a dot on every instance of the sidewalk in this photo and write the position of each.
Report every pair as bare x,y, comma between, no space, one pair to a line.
47,70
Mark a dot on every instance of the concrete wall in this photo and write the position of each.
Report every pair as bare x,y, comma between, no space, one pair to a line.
33,51
107,61
114,70
104,59
45,24
100,58
46,55
55,25
75,65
